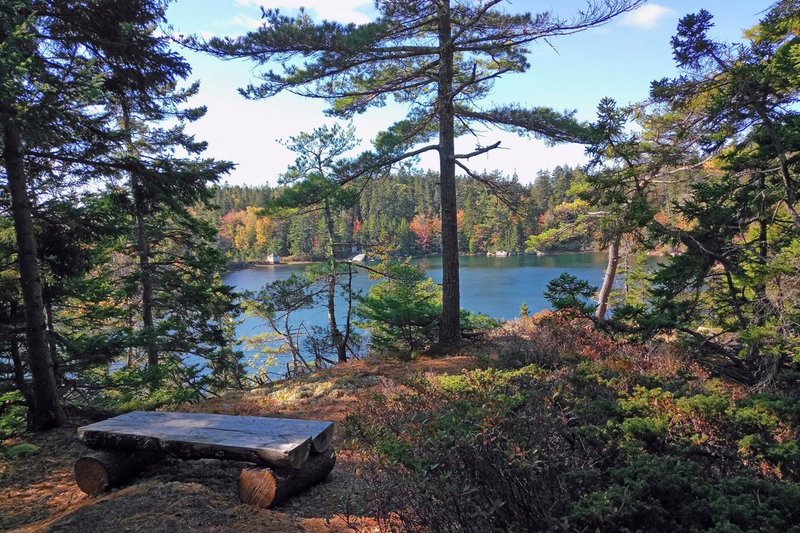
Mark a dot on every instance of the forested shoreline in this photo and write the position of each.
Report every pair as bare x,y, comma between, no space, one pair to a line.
398,214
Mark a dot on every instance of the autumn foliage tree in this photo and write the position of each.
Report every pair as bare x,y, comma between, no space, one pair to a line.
426,230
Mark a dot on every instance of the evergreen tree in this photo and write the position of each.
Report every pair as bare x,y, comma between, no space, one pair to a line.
314,184
736,104
75,77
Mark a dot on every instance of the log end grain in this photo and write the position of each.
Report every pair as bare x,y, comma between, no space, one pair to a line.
100,470
266,487
91,475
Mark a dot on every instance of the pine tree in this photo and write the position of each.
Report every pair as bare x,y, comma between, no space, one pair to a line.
314,184
437,57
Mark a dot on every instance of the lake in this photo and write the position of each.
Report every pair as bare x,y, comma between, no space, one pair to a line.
495,286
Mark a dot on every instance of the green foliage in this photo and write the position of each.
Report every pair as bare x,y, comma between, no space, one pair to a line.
477,322
13,414
128,388
401,311
275,303
569,292
380,212
663,494
477,442
126,271
618,437
736,274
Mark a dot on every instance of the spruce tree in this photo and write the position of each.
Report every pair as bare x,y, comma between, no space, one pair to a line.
47,100
69,70
736,105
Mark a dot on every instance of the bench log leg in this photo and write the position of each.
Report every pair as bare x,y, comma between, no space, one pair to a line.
265,487
100,470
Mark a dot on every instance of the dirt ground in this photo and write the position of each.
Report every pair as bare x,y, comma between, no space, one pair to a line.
38,493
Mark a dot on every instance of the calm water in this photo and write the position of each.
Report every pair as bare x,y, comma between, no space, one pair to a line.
496,286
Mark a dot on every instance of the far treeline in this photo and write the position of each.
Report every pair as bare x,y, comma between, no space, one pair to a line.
398,214
115,232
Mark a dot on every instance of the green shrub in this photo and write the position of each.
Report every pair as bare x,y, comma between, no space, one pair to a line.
13,414
710,406
568,292
579,443
487,450
401,312
673,494
650,430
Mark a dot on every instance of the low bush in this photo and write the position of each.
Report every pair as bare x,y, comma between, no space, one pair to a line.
600,436
13,413
655,493
485,451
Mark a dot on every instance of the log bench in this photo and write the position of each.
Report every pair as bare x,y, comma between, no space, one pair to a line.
289,455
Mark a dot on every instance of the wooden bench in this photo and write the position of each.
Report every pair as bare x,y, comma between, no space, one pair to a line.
290,455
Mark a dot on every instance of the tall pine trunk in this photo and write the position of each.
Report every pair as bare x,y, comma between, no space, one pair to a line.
761,302
142,250
449,323
145,271
45,412
608,279
338,339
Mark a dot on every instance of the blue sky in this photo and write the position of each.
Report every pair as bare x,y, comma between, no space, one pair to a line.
617,60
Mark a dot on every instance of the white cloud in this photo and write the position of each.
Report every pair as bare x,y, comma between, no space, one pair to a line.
338,10
244,21
647,17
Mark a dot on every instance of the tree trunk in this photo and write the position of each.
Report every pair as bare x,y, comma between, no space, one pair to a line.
348,329
265,487
338,338
761,303
48,313
19,369
145,268
449,324
608,279
142,250
46,412
101,470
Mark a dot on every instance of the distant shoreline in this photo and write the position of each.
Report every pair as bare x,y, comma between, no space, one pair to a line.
242,265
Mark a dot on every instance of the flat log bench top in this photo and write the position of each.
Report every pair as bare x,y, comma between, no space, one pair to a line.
277,442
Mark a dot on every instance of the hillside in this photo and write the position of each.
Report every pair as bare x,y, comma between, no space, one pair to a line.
39,493
546,422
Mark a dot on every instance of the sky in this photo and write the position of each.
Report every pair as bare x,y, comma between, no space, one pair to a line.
574,72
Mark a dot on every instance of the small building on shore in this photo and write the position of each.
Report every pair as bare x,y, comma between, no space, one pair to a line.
273,259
